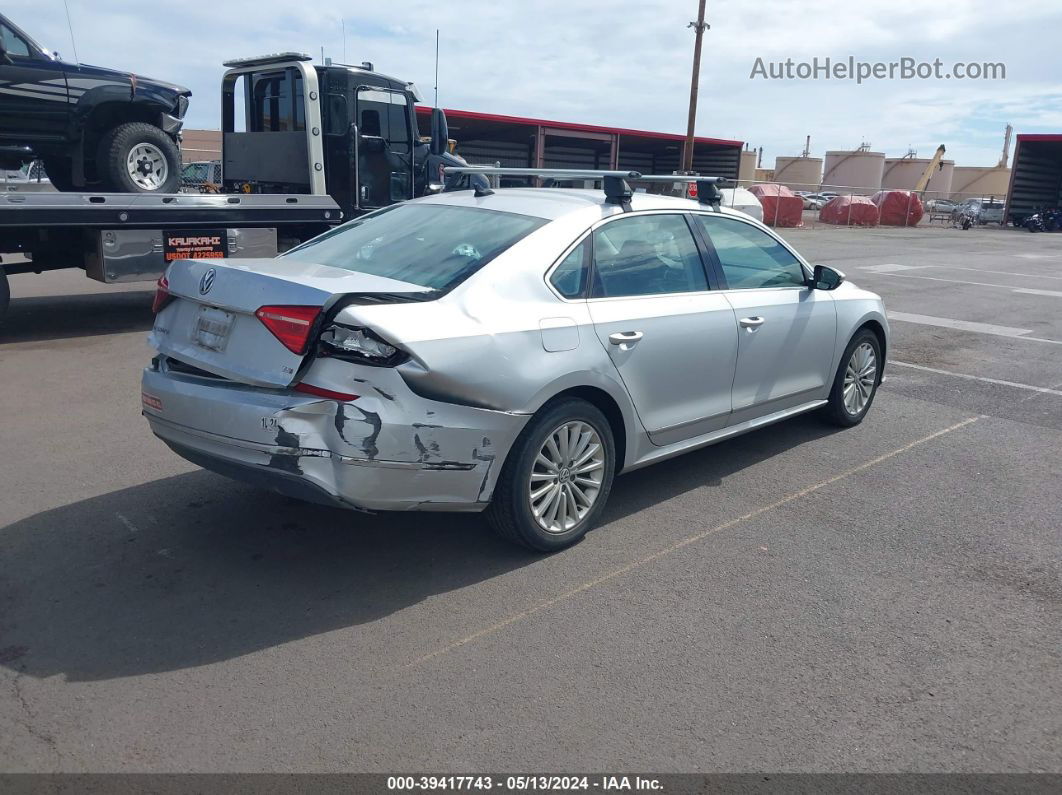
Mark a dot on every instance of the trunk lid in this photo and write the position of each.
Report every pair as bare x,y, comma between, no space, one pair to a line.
211,322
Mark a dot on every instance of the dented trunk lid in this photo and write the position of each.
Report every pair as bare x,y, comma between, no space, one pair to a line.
211,322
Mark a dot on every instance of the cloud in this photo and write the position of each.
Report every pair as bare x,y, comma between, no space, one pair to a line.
624,63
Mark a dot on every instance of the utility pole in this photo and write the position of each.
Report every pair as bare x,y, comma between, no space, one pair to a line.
699,27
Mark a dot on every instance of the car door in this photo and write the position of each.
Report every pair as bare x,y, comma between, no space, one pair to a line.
786,330
385,170
34,105
672,339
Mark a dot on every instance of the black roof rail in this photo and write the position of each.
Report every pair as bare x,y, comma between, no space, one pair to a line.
615,183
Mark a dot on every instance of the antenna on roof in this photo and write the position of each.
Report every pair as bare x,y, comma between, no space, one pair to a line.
70,25
436,67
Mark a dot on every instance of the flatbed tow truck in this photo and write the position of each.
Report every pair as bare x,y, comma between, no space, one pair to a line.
304,148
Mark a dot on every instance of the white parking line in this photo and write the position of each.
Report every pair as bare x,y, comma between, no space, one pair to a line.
967,325
1004,273
953,281
691,539
1016,385
1031,291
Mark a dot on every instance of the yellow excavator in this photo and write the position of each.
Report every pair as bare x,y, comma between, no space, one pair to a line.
934,165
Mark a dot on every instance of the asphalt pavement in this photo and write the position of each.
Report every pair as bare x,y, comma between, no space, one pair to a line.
885,598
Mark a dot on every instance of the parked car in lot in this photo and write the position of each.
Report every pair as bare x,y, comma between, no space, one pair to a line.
815,201
509,351
92,127
201,176
979,211
941,205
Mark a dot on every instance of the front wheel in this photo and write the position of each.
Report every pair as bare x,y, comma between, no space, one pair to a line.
139,158
556,479
856,381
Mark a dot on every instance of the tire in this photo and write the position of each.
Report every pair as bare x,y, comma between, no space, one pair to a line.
5,294
139,158
60,172
837,410
510,512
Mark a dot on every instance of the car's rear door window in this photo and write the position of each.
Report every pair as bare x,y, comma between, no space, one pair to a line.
646,255
436,246
750,258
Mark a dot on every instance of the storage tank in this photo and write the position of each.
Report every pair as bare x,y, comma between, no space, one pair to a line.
747,167
903,173
970,181
798,173
853,171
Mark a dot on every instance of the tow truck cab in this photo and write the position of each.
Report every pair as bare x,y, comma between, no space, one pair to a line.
289,126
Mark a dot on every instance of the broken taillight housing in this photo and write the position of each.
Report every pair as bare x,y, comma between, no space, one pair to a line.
292,325
162,294
359,344
330,394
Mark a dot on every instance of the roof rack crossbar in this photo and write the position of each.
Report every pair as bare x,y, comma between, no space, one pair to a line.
707,187
617,191
562,173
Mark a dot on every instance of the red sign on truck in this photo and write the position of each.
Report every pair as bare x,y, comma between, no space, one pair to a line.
199,244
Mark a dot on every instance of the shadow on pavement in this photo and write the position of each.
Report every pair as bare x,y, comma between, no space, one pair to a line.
194,569
53,317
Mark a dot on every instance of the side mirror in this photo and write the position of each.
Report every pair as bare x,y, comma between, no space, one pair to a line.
4,57
440,132
826,278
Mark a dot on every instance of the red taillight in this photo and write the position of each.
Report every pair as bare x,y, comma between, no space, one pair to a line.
162,294
310,389
290,324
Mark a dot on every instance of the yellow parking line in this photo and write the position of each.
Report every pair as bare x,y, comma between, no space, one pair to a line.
586,586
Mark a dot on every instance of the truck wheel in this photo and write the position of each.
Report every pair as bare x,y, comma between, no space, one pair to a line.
60,171
5,293
139,158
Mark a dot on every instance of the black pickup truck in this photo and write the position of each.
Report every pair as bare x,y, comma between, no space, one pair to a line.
94,128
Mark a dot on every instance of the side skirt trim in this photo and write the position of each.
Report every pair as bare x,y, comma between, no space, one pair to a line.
697,442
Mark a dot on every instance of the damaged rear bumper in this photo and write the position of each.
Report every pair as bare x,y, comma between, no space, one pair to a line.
401,452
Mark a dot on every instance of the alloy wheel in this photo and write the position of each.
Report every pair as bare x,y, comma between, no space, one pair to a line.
147,166
860,376
566,476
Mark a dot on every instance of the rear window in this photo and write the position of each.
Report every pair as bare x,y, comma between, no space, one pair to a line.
431,245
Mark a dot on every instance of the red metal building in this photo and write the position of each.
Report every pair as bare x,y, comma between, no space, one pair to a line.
514,141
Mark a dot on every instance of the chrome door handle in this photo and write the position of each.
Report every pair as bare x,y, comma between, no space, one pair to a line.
621,337
751,322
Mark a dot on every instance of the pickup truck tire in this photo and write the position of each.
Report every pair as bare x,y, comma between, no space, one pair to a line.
5,293
60,172
139,158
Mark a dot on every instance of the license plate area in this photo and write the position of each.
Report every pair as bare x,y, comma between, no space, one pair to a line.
212,327
192,244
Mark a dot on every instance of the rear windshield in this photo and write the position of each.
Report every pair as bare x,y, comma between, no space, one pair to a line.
435,246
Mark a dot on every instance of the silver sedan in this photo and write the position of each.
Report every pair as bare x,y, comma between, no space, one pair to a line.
510,353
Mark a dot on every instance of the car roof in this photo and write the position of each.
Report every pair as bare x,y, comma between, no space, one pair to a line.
553,203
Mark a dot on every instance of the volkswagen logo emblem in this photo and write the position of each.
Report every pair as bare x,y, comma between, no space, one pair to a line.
207,281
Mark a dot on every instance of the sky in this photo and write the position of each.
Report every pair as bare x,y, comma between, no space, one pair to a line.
623,63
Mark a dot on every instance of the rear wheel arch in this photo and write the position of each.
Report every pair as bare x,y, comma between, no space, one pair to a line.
607,405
